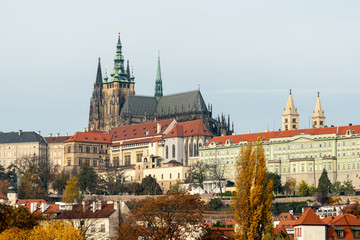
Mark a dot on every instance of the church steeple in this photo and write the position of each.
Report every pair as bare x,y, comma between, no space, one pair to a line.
318,117
290,117
158,81
99,75
118,74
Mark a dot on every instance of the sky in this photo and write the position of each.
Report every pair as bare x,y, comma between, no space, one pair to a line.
244,56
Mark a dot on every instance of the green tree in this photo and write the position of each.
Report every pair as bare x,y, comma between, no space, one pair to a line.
88,178
312,190
112,181
278,188
303,188
149,186
336,188
324,187
254,194
59,182
176,188
72,189
31,187
290,186
133,188
348,187
215,204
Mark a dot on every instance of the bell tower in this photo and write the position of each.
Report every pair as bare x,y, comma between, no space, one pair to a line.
318,117
290,117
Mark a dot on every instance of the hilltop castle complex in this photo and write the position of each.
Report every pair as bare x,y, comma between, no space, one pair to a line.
114,103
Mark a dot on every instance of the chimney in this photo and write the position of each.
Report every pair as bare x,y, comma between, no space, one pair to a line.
350,124
84,129
50,134
84,206
57,134
38,132
33,207
66,134
20,132
44,206
158,130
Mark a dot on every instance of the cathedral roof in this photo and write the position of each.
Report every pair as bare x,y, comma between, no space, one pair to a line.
318,109
190,128
181,103
139,105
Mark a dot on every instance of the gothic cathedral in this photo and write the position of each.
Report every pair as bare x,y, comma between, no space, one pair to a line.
114,103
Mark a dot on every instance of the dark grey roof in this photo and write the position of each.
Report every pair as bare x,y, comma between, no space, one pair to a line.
181,103
14,137
139,105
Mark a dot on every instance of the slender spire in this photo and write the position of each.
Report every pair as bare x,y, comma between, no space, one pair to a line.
118,73
158,81
318,112
290,117
99,75
290,106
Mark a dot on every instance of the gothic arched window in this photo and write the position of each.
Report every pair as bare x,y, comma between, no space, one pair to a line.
173,150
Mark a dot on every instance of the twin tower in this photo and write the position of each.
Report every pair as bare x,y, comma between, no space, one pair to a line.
290,117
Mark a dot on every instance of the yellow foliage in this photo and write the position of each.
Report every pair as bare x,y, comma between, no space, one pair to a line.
71,190
46,231
253,194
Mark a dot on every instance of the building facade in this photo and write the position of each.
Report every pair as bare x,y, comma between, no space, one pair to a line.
56,151
300,154
16,146
114,103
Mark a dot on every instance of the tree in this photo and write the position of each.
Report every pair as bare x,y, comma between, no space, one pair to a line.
127,229
88,178
312,189
278,188
15,234
176,188
348,187
290,186
133,188
324,187
72,189
19,217
253,200
171,216
217,172
4,184
112,181
197,174
31,187
337,188
303,188
55,230
149,186
215,204
59,182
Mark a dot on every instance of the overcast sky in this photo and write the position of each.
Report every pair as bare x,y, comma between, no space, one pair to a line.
245,55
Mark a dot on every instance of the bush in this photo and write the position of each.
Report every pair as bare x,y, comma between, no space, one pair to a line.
215,204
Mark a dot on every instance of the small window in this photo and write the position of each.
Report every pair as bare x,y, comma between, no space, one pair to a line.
102,228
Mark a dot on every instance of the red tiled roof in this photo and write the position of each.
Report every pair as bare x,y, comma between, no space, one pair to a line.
2,196
59,139
77,212
190,128
343,220
309,218
140,130
287,216
252,137
286,224
91,137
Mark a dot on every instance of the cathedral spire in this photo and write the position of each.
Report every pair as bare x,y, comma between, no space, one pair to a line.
158,81
99,75
290,117
318,117
118,73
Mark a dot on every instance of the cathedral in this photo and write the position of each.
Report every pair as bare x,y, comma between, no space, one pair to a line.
114,103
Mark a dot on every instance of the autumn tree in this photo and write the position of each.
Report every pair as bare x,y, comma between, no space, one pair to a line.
324,188
303,188
88,178
72,189
31,187
176,188
55,230
4,184
127,228
171,216
19,217
197,174
254,194
290,186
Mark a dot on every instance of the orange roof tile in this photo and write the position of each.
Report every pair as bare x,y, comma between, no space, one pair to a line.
140,130
91,137
58,139
2,196
252,137
190,128
309,218
343,220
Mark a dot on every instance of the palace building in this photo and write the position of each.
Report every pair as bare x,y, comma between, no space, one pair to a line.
114,103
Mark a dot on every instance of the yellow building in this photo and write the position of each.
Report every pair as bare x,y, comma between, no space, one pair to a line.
56,150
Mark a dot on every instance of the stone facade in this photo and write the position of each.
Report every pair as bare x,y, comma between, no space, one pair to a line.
56,151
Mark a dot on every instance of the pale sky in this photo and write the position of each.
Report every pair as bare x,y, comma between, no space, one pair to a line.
245,55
